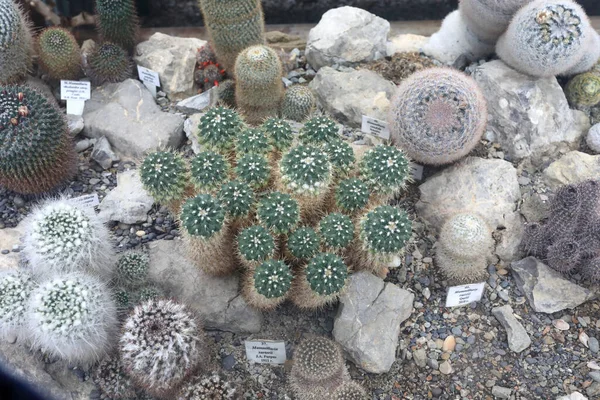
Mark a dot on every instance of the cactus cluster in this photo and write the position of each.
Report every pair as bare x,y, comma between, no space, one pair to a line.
207,387
437,116
112,380
118,22
59,53
583,90
108,63
305,169
36,151
298,103
225,93
209,171
16,43
208,73
15,289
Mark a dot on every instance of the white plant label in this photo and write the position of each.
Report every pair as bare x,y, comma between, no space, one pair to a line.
75,93
464,294
375,127
416,171
266,351
149,78
89,200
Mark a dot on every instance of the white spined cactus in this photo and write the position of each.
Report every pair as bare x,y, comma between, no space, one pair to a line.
72,317
15,289
488,19
61,237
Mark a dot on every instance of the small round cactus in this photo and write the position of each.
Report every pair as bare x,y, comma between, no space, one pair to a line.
593,138
268,285
219,127
319,130
209,170
164,176
279,133
202,216
123,299
118,22
583,90
352,195
148,293
252,141
303,243
298,103
108,63
306,169
225,93
278,212
207,387
237,198
564,255
15,41
385,169
255,245
132,268
59,53
254,170
349,391
385,230
326,274
162,344
73,317
337,231
15,289
341,156
112,381
437,116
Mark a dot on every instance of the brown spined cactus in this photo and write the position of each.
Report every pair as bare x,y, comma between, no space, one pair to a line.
59,53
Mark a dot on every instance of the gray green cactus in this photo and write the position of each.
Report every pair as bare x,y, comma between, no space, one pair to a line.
202,216
306,170
279,133
132,268
352,195
237,198
337,231
254,170
59,54
252,141
278,212
385,169
255,245
298,103
219,127
108,63
318,131
303,243
16,43
164,175
209,170
118,22
341,156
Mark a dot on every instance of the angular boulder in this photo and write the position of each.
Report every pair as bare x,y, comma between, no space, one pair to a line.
129,202
573,167
518,339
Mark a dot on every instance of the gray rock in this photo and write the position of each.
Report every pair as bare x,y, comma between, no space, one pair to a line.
528,116
488,187
593,138
593,390
197,103
346,36
10,237
216,299
368,321
595,375
83,145
103,153
500,392
347,96
518,339
594,345
128,116
573,396
573,167
190,127
420,357
129,202
546,289
174,59
75,124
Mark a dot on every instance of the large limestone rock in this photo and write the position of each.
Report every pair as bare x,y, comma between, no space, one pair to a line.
128,116
216,299
546,289
368,321
573,167
528,116
347,96
129,202
174,58
488,187
518,339
10,237
346,36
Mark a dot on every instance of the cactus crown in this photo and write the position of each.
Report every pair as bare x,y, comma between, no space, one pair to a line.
108,63
202,216
132,267
337,230
209,170
351,195
279,212
385,169
272,279
306,169
318,359
583,90
207,387
254,170
326,274
15,287
298,103
385,229
237,198
319,130
112,380
253,141
163,175
118,22
349,391
59,53
15,42
340,155
303,243
256,243
219,127
258,65
279,133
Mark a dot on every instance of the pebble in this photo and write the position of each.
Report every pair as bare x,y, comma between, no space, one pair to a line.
595,375
228,362
18,201
593,344
560,325
449,344
501,392
446,368
140,233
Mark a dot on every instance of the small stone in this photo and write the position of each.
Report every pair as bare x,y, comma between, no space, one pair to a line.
420,357
518,339
446,368
595,375
449,344
594,345
501,392
560,325
140,233
228,362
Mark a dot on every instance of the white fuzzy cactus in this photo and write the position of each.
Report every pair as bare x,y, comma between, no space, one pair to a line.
15,289
488,19
590,56
73,317
61,237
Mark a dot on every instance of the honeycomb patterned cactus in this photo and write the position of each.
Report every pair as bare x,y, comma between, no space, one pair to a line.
255,245
108,63
341,156
350,391
210,387
352,195
267,286
118,22
278,212
59,53
209,171
279,133
237,198
385,169
15,290
252,141
303,243
112,381
132,268
337,231
298,103
319,130
16,43
305,169
583,90
219,127
254,170
202,216
164,176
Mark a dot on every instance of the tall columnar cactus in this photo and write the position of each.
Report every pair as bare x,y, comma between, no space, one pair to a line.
209,171
583,90
73,317
303,243
278,212
61,237
207,387
259,88
252,141
15,290
112,380
386,170
279,133
351,195
219,127
268,285
132,268
318,131
118,22
298,103
162,344
546,38
321,282
488,19
233,25
16,43
437,116
255,245
337,231
164,175
59,53
254,170
108,63
36,150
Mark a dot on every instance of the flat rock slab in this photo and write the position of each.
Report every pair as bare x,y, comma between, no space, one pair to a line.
518,339
216,299
573,167
129,202
368,321
546,289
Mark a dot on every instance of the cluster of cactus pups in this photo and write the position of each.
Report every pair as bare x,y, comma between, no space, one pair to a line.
208,72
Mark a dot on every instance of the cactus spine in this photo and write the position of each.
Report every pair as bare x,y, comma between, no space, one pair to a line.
59,54
16,43
15,289
118,22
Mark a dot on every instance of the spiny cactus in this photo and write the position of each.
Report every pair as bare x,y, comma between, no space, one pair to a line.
349,391
385,169
255,245
162,344
132,268
219,127
319,130
36,150
545,38
225,93
108,63
237,198
583,90
124,299
207,387
15,290
321,282
202,216
72,317
233,25
351,195
488,19
209,171
209,76
341,156
61,237
278,212
306,170
337,231
279,133
112,381
303,243
16,43
267,286
59,53
590,56
564,255
148,293
252,141
254,170
590,269
164,176
259,88
118,22
298,103
437,116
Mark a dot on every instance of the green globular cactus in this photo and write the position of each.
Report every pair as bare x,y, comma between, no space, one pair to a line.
278,212
202,216
112,381
164,176
303,243
306,170
219,127
132,268
15,289
108,63
209,170
36,150
118,22
340,155
16,43
259,88
298,103
437,116
148,293
351,195
254,170
252,141
349,391
337,231
255,245
237,198
318,131
162,344
583,90
233,25
207,387
123,299
385,169
59,53
326,274
268,285
279,132
226,93
385,230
